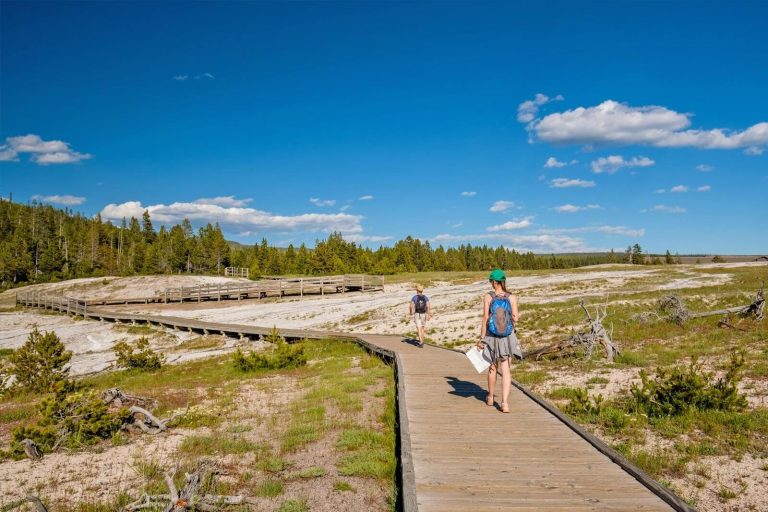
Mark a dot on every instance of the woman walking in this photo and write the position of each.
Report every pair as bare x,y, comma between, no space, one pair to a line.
497,336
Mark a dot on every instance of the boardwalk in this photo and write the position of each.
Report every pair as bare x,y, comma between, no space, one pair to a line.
457,454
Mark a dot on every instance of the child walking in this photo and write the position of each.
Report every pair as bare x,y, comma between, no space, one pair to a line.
497,335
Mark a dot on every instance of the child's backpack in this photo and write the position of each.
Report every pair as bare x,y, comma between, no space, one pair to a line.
420,305
500,317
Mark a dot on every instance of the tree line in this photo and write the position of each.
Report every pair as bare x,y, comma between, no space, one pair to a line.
40,243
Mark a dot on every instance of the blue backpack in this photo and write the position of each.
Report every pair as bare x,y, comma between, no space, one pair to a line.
500,317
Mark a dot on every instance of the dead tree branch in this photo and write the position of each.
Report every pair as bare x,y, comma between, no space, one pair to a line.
597,335
673,310
190,497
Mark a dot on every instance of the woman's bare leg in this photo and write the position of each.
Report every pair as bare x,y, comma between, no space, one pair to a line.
491,380
506,382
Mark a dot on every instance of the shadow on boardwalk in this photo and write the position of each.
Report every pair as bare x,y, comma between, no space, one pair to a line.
466,389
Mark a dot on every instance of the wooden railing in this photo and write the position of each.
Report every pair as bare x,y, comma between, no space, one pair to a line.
271,287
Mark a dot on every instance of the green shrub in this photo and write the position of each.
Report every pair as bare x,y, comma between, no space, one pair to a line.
142,358
582,404
41,363
676,391
282,355
72,419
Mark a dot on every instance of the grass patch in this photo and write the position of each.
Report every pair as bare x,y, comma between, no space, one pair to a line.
269,488
342,486
293,506
313,472
199,446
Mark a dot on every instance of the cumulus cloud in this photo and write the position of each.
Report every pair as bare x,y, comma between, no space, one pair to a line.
322,202
704,168
613,163
365,198
513,224
553,162
614,123
542,243
660,191
679,188
754,151
527,110
567,183
234,218
469,194
704,188
572,208
607,230
668,209
42,152
501,206
223,201
66,200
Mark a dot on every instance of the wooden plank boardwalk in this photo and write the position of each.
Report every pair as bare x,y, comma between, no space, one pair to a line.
458,454
269,287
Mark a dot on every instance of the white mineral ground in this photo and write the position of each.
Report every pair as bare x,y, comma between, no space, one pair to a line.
455,307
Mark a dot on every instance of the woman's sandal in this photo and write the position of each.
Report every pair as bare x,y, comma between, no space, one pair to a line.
489,399
504,407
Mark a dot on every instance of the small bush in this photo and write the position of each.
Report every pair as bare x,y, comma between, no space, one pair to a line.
283,355
582,404
72,419
674,392
142,358
41,363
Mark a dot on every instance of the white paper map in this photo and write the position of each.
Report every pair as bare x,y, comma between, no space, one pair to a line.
478,359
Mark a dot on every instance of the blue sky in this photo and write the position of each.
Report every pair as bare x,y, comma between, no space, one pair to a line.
545,126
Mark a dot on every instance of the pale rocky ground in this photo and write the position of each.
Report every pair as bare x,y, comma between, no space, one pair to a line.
455,310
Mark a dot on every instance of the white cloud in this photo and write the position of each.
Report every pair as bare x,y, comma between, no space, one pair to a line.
501,206
180,78
205,76
704,168
704,188
513,224
567,183
613,163
42,152
457,225
469,194
345,208
223,201
553,162
614,123
660,191
754,151
679,188
322,202
571,208
366,238
365,198
608,230
527,110
668,209
543,243
234,218
65,199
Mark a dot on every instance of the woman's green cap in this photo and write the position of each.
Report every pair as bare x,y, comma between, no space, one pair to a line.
497,275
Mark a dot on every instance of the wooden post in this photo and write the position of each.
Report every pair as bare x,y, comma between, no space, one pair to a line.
362,281
301,287
219,293
198,294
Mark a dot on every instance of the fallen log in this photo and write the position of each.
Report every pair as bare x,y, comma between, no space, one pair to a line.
597,335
